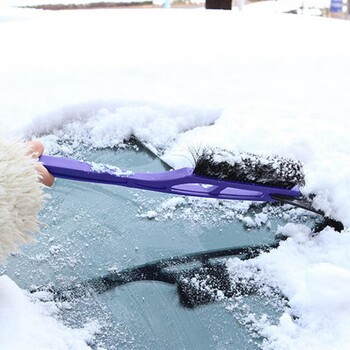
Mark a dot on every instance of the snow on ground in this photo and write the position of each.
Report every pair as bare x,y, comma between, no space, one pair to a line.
267,84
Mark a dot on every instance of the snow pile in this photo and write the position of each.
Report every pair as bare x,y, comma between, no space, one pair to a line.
106,127
27,325
266,84
314,273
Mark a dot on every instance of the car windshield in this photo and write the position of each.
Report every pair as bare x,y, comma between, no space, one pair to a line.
93,230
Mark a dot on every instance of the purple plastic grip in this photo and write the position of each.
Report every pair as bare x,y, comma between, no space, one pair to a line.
182,181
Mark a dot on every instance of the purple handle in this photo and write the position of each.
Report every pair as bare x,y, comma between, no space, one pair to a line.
182,181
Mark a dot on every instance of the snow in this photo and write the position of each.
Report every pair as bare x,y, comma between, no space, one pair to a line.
29,325
251,81
315,274
22,3
109,169
313,7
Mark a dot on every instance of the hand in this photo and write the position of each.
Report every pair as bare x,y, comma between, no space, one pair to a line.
36,149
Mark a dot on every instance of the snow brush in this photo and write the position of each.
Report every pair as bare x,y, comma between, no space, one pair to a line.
217,174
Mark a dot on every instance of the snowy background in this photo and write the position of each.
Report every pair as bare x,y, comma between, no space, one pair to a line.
256,81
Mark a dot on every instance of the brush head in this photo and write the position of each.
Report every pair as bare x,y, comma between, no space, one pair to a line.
271,171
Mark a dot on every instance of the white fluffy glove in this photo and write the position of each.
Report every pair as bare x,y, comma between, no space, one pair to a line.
21,197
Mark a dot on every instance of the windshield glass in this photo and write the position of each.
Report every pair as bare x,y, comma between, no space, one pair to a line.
92,230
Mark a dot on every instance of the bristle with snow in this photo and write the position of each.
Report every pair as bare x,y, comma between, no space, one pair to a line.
272,171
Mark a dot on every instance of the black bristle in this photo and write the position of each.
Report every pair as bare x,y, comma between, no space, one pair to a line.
272,171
